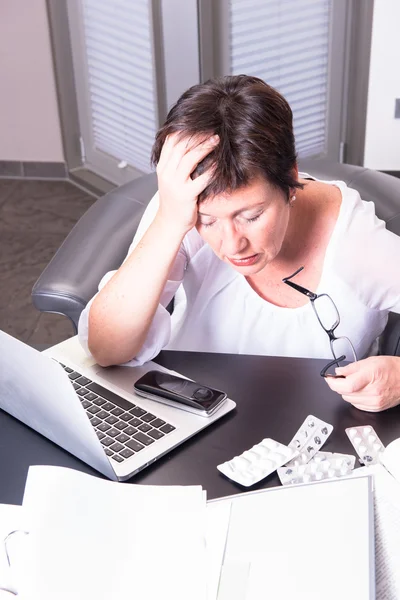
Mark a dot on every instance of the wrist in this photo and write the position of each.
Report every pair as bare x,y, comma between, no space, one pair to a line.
171,226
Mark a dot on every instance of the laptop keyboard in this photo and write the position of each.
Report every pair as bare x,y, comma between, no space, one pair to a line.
123,428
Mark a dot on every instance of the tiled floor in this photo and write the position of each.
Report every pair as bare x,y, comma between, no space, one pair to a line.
35,217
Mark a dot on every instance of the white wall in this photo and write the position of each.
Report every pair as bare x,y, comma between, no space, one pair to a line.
29,120
382,141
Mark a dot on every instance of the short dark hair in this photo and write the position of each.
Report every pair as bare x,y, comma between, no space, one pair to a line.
254,123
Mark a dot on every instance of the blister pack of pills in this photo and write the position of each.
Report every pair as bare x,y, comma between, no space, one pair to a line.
258,462
324,465
349,459
309,439
366,443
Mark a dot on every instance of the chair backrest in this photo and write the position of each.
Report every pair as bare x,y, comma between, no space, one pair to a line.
100,240
98,243
380,188
384,191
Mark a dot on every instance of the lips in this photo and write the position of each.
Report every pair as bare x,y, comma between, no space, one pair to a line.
244,262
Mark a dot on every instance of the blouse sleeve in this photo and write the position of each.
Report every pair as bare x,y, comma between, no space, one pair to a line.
160,330
367,256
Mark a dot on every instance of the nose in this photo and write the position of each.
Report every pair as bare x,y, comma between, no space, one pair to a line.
233,242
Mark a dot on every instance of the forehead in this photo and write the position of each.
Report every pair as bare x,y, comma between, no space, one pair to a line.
258,191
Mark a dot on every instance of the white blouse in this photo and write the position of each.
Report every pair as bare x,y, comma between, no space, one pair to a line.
216,310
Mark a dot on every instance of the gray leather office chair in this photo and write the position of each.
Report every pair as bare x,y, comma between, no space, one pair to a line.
100,240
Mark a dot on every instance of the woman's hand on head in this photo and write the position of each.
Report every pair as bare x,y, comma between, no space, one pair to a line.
372,384
178,192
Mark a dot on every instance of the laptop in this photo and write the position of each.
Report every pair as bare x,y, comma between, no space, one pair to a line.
91,411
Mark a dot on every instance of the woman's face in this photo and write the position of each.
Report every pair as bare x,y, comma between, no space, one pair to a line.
245,228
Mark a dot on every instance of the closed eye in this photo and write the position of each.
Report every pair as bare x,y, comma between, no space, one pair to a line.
207,224
249,220
253,219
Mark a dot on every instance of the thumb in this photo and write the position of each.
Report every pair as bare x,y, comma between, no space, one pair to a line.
355,379
347,370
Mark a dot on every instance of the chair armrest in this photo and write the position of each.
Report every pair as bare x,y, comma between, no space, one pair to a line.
389,343
97,244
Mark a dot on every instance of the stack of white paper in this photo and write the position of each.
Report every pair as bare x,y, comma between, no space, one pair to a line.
90,538
387,532
10,520
95,539
293,542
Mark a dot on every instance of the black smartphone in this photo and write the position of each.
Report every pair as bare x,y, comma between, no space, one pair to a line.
180,393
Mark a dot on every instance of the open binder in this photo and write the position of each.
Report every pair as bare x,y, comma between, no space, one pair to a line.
90,538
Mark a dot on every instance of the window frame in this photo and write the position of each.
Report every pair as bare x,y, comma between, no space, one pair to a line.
202,58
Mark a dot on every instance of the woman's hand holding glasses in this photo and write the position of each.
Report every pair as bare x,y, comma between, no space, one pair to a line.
371,384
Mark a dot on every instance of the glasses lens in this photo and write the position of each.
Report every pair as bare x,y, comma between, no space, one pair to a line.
326,312
342,345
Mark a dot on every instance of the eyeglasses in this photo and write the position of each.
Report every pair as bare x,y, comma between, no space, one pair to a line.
328,316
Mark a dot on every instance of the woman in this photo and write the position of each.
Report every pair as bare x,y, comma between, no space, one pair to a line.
232,219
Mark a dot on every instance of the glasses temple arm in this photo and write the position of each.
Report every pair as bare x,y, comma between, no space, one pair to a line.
326,368
300,289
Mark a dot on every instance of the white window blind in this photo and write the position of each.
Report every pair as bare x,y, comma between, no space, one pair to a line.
121,78
286,43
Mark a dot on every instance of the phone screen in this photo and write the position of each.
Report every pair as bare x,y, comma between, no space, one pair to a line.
180,390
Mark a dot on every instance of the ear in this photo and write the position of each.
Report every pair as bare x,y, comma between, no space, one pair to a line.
292,192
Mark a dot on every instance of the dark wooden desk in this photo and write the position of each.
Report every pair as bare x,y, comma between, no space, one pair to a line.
273,396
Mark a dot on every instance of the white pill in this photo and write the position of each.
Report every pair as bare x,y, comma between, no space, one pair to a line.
276,457
331,473
367,430
318,476
371,438
288,452
267,464
306,477
268,443
249,456
301,469
313,467
249,478
262,451
377,446
353,432
344,470
254,470
254,454
357,440
240,462
362,448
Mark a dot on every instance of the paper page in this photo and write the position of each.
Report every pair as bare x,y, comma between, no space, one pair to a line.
234,580
95,539
218,515
387,532
285,541
10,520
